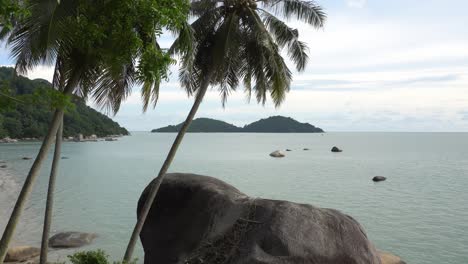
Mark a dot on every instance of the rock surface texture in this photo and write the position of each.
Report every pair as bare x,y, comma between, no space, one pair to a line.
71,239
20,254
388,258
200,219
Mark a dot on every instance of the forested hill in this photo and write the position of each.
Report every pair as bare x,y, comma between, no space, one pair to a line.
29,118
203,125
274,124
280,124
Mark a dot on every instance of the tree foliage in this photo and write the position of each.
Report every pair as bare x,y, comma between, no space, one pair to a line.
100,47
29,114
10,11
93,257
240,41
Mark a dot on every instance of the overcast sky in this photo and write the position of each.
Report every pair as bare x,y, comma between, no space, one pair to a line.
377,65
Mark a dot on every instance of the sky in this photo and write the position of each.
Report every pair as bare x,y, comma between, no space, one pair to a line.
377,65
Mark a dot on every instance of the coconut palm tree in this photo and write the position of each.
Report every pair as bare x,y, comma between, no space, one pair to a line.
94,61
236,41
50,196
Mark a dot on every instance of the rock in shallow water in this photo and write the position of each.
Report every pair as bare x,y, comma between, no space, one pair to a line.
200,219
336,149
71,239
388,258
277,154
379,178
20,254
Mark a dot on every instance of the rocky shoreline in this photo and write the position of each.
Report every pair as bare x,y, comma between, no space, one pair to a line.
78,138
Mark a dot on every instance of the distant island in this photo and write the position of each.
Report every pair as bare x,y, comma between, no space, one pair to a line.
31,120
274,124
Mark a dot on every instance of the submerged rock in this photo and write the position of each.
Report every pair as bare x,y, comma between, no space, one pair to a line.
277,154
71,239
379,178
20,254
65,158
3,166
27,158
336,149
200,219
306,149
388,258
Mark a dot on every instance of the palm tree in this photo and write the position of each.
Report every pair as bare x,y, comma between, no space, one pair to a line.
50,195
234,41
92,61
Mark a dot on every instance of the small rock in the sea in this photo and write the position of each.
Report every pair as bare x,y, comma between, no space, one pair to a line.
288,150
277,154
3,166
20,254
306,149
71,239
27,158
379,178
336,149
388,258
65,157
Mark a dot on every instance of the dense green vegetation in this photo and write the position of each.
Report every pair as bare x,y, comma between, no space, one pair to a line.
274,124
280,124
203,125
93,257
29,116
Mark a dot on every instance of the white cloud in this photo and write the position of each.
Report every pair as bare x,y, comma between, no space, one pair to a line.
41,72
356,3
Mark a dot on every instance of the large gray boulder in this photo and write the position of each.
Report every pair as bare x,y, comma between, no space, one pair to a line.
71,239
200,219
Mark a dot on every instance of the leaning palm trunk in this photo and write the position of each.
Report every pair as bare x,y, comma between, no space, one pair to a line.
28,184
50,195
159,179
31,178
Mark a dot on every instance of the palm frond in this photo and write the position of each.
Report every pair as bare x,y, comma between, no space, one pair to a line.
200,7
285,35
113,87
306,11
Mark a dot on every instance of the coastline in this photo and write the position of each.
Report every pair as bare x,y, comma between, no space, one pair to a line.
30,226
78,138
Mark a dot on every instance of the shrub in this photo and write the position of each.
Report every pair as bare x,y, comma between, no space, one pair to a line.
93,257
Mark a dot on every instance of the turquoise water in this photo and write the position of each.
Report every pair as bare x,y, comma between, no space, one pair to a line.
419,213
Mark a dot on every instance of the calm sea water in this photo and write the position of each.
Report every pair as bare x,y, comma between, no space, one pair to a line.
419,213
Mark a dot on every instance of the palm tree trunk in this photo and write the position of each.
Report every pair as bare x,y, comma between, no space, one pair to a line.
32,175
50,195
170,156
